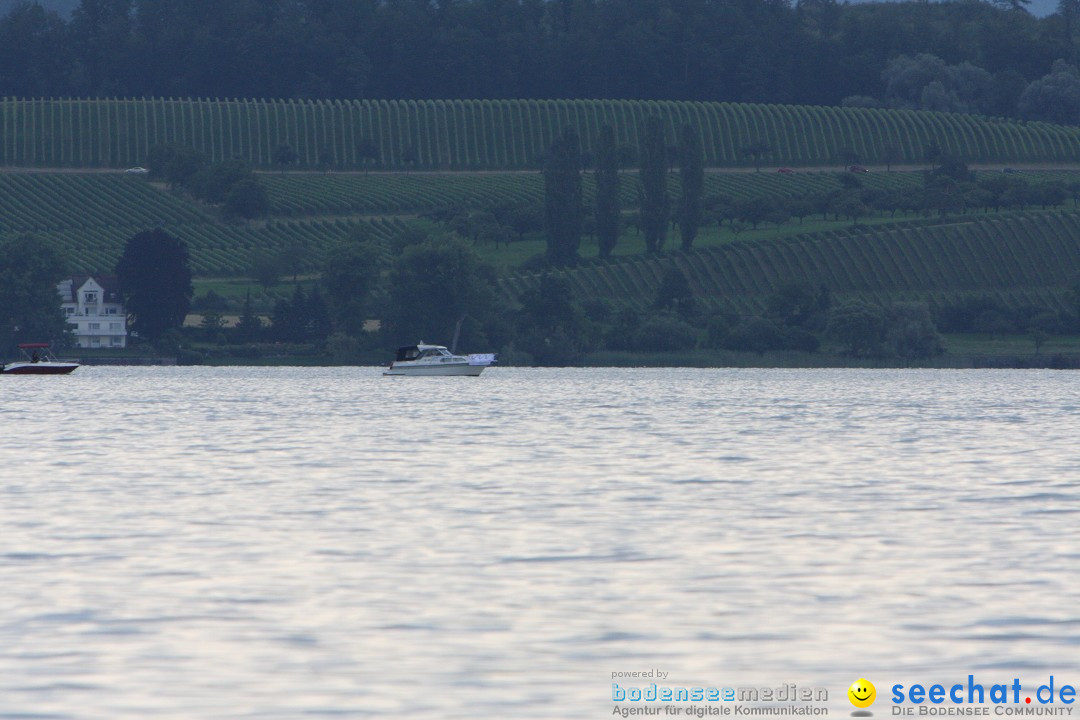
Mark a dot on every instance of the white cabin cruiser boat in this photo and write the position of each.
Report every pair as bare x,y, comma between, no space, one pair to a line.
38,361
424,359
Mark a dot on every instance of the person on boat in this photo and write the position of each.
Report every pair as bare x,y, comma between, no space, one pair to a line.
36,357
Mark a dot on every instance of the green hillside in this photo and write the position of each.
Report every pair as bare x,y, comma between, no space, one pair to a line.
299,195
494,134
1023,258
91,216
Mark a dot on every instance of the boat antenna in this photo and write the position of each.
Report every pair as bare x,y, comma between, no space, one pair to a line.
457,332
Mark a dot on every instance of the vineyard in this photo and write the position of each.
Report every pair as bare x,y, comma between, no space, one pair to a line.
90,217
1023,258
301,195
496,134
216,249
1027,256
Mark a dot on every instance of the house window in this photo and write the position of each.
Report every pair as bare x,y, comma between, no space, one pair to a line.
95,341
115,341
95,326
110,311
69,311
114,326
90,297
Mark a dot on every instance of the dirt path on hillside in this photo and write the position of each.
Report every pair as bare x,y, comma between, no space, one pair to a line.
993,167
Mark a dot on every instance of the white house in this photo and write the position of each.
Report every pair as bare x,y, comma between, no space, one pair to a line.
93,306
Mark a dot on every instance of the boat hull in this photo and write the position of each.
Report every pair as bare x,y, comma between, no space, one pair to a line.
462,369
39,368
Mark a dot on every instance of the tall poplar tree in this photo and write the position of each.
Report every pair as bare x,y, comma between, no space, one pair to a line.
655,202
692,175
562,198
607,191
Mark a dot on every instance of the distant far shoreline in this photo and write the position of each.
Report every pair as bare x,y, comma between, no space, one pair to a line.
965,351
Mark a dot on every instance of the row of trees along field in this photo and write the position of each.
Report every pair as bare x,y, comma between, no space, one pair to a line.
815,53
948,187
497,134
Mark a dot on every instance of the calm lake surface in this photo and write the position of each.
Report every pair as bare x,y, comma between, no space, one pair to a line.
283,543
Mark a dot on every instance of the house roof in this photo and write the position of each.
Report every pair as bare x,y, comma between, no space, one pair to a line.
110,287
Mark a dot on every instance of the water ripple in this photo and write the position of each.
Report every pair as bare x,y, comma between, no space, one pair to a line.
279,543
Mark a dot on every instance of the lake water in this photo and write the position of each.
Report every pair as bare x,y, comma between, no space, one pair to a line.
289,542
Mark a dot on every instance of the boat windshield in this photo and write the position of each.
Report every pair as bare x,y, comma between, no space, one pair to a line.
36,352
413,352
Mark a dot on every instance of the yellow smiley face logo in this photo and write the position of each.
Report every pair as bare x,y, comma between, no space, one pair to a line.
862,693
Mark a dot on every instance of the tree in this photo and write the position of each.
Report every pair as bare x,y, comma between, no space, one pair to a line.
675,294
267,267
562,199
608,212
792,304
30,270
433,286
368,150
319,325
847,157
213,182
858,326
212,319
101,29
1054,97
910,332
850,206
284,155
756,151
550,326
155,282
1069,10
753,210
663,332
926,82
655,202
180,164
247,199
326,158
891,155
250,326
290,319
692,174
350,278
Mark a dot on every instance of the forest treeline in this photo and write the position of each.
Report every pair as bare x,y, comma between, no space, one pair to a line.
969,56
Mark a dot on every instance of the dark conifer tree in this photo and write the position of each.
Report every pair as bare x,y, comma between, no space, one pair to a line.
250,326
319,325
655,201
562,199
692,175
607,191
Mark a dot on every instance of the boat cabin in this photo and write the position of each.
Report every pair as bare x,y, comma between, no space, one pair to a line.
417,352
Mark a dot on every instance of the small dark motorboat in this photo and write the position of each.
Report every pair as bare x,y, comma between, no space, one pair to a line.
39,360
